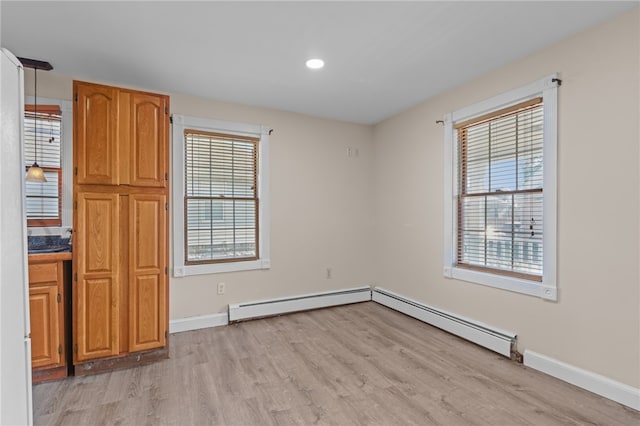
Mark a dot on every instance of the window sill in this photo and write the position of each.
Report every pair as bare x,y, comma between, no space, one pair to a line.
516,285
219,268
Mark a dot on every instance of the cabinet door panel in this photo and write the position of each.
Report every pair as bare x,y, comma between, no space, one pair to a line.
148,140
96,289
98,321
95,134
148,331
147,278
45,325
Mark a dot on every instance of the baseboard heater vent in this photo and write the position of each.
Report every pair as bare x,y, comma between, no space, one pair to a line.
265,308
499,341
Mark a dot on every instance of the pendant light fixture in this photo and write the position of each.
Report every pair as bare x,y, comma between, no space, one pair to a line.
35,172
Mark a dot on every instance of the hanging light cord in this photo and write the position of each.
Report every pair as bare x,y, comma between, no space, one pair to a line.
35,118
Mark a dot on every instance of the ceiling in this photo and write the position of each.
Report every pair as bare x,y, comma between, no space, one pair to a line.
381,57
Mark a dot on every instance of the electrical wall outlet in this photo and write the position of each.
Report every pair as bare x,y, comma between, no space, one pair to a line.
221,288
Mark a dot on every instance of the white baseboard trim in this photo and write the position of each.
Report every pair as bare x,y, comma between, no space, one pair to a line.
196,323
600,385
265,308
499,341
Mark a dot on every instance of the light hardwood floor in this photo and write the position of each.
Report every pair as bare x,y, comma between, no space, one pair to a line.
356,364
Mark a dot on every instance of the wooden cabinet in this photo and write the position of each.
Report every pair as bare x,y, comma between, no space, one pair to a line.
47,316
120,222
46,346
147,277
96,280
95,125
121,136
148,136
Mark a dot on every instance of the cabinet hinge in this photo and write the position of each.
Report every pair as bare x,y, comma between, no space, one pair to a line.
75,171
166,206
166,270
171,119
166,110
75,276
59,298
59,349
75,348
75,204
75,98
166,176
166,334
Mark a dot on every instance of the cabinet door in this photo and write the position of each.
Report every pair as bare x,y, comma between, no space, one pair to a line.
148,140
147,278
95,292
95,134
46,348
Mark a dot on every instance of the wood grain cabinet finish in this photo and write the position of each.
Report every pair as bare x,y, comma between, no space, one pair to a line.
46,345
120,137
46,311
147,278
96,280
95,134
120,222
148,140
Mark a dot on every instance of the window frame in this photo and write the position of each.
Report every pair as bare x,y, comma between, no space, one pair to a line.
465,131
181,267
545,88
66,165
40,221
233,137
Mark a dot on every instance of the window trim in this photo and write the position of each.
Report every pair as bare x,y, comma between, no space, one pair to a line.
182,123
547,89
66,108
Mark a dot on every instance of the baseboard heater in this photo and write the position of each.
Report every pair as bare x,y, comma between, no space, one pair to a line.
265,308
499,341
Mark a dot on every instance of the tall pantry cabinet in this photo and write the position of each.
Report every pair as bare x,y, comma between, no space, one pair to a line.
120,255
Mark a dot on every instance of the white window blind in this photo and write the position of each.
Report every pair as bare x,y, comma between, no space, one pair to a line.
500,206
43,200
221,197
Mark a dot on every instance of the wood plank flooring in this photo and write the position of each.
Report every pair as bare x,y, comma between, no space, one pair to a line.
360,364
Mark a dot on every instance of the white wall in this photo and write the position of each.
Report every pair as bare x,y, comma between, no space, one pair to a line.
321,210
595,325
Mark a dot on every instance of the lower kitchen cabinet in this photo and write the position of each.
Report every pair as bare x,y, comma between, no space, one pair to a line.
47,315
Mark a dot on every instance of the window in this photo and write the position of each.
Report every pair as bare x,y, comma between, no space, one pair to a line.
501,186
500,201
61,178
221,202
220,196
42,135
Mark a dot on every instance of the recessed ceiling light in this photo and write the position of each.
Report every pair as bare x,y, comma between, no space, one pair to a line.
315,63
